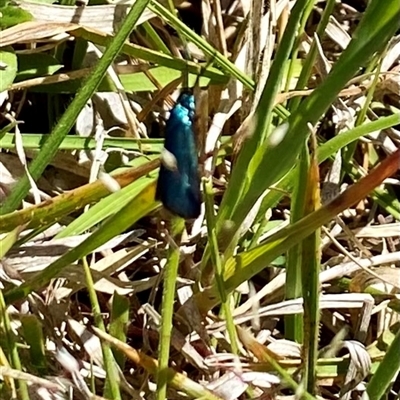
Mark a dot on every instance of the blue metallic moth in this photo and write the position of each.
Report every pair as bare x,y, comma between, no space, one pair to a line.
178,186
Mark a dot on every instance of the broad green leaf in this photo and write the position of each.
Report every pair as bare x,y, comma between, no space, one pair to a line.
35,65
11,15
8,67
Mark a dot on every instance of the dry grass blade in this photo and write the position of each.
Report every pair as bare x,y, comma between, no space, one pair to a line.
177,380
33,31
106,18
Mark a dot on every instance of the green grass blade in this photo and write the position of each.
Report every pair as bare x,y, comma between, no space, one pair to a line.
218,265
245,265
383,376
293,286
170,278
299,37
312,54
310,269
105,208
33,335
244,170
7,241
11,346
209,50
325,151
68,119
127,216
379,23
49,211
337,143
119,320
111,385
36,141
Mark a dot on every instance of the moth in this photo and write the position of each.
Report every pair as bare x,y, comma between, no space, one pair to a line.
178,185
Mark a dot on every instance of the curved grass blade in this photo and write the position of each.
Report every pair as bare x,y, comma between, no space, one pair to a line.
378,24
49,211
245,168
137,208
244,266
106,207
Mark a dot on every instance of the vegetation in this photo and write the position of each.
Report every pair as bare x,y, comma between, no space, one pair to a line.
287,283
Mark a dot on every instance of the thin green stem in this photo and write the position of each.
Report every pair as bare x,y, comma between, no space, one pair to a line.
312,54
310,280
363,112
293,289
292,62
12,347
218,264
170,277
111,387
